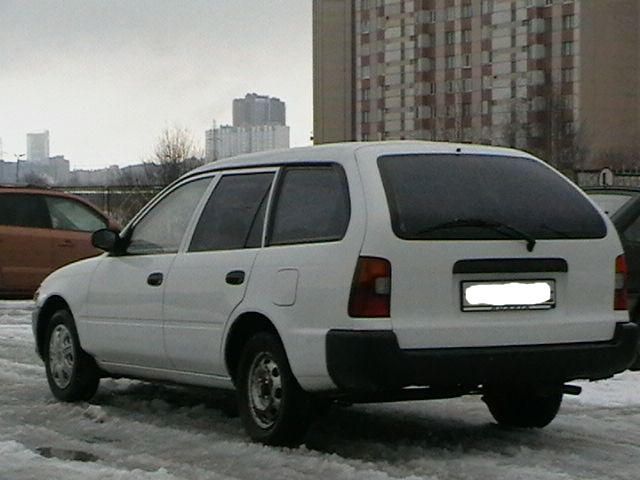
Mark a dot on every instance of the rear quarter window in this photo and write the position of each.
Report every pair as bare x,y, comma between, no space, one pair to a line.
426,191
312,205
23,210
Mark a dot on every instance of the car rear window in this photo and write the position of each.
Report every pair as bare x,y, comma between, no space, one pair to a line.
426,192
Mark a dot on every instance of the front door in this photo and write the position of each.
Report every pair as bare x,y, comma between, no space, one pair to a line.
125,304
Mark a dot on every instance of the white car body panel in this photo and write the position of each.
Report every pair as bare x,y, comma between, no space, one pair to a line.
198,303
124,315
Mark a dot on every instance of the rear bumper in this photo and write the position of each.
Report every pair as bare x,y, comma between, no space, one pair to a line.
372,361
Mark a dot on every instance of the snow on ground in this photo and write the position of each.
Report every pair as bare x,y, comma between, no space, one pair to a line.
138,430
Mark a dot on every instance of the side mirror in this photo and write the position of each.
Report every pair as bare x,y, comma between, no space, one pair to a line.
105,239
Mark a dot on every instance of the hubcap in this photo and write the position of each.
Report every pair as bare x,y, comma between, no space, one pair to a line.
265,390
61,356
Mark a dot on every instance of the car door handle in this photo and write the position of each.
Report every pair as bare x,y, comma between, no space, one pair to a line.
236,277
155,279
66,243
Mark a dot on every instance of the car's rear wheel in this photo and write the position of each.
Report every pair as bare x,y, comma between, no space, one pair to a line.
523,406
272,406
72,374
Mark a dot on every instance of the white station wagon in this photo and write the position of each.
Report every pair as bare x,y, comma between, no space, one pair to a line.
361,272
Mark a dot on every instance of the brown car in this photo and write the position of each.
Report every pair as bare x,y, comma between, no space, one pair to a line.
40,231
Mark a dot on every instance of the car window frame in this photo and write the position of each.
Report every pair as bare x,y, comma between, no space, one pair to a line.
41,197
277,191
487,234
127,232
91,209
219,174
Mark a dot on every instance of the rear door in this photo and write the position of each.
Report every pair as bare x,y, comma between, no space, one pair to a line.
25,243
209,279
510,229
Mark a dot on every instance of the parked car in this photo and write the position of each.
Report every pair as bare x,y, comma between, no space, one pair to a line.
355,272
626,219
40,231
611,199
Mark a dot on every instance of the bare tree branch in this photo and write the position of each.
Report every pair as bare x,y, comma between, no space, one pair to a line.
175,154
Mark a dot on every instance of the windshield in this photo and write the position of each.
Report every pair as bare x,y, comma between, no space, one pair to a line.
610,203
425,192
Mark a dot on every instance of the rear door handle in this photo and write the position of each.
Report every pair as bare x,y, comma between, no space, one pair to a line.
155,279
66,243
235,277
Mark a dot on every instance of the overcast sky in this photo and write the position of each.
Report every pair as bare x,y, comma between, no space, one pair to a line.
106,76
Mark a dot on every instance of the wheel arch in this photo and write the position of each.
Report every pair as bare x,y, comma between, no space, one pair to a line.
52,305
243,328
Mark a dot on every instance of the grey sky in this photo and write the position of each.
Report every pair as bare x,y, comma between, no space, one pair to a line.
106,76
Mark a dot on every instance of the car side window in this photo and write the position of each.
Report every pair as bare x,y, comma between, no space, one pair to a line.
312,206
23,210
162,228
69,214
234,215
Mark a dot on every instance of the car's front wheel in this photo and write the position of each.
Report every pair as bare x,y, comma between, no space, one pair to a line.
272,406
523,406
72,374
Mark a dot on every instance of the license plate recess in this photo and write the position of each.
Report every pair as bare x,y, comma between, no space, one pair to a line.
506,295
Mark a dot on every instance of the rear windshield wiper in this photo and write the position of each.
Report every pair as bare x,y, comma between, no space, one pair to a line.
499,227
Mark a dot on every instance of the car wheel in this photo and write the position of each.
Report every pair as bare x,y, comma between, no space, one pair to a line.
523,407
72,374
272,406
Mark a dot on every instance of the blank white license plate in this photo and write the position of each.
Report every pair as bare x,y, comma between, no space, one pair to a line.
508,295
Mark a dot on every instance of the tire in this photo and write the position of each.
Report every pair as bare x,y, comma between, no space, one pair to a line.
72,374
272,406
523,407
635,366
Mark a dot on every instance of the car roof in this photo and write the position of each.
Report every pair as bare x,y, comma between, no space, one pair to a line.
345,152
31,190
613,190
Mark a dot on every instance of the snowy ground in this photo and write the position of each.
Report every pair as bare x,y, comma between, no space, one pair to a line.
136,430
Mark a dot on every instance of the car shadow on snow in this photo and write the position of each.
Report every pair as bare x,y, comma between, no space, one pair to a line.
344,430
199,409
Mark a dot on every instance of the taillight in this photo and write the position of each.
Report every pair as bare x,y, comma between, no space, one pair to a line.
371,288
620,296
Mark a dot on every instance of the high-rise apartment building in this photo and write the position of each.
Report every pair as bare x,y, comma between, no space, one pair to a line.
559,77
38,146
228,141
255,110
258,125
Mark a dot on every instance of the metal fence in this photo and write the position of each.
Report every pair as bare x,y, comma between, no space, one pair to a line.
120,202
